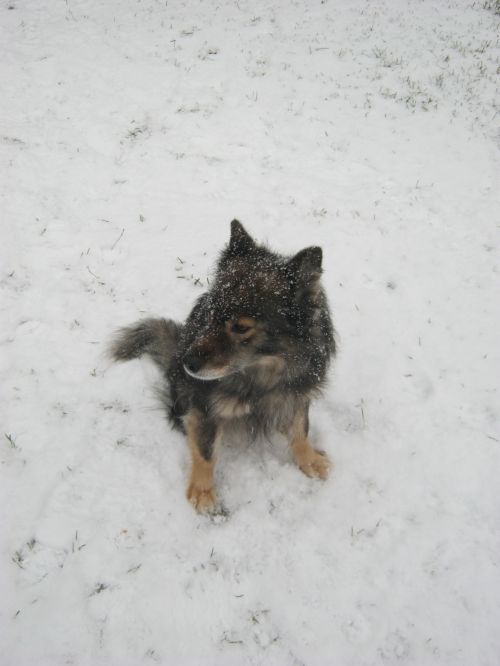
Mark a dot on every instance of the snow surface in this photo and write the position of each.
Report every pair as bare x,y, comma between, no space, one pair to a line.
132,133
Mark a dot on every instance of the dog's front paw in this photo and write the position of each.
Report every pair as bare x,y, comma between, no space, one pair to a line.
315,464
203,499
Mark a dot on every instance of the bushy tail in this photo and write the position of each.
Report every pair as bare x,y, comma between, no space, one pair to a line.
156,337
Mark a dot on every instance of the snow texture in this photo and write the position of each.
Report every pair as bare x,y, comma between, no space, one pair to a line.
132,133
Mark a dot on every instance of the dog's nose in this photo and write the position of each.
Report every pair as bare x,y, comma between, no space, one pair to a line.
194,361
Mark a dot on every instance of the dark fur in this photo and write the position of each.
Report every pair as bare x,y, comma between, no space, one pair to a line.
268,377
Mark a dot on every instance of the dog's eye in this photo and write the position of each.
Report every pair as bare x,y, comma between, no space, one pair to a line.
240,329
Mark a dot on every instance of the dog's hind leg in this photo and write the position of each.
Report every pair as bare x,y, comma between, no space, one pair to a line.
312,462
203,436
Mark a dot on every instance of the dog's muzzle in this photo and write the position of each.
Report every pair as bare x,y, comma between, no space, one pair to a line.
194,366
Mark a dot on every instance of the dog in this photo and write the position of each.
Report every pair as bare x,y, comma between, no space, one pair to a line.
254,351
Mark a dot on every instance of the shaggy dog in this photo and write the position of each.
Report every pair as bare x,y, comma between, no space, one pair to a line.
254,350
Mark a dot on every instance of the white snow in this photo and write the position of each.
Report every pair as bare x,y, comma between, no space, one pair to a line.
132,132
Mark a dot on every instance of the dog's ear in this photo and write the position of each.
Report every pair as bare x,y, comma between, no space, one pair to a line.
240,242
305,266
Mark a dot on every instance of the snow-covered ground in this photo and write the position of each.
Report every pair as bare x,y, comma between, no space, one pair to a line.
131,133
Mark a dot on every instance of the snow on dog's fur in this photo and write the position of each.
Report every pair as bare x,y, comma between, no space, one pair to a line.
255,349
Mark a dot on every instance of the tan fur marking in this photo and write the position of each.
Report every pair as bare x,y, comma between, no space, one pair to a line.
246,321
230,408
273,363
312,462
200,492
270,370
241,321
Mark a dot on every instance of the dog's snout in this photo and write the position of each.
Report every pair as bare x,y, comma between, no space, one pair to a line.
194,361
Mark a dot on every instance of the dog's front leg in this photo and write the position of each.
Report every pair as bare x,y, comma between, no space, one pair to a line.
311,462
202,435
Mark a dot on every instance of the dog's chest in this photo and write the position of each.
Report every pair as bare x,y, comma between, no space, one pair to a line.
230,407
272,410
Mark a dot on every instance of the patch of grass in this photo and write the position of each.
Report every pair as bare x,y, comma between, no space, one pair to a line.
492,6
99,587
386,59
134,132
438,80
11,441
18,558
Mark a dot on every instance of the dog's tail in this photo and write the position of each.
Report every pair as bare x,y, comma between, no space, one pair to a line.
156,337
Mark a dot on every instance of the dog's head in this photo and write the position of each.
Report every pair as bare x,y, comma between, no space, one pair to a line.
260,305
